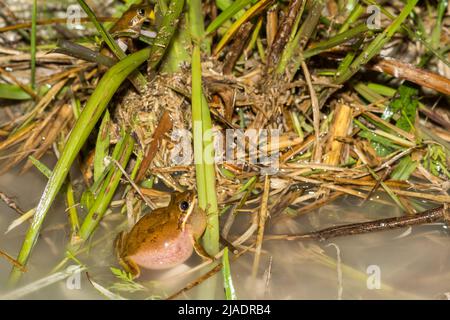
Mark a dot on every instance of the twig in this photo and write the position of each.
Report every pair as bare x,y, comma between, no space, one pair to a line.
51,21
13,261
428,216
411,73
197,281
283,33
10,203
316,113
133,184
237,47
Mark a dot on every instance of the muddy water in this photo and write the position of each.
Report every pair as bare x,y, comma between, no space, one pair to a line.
401,264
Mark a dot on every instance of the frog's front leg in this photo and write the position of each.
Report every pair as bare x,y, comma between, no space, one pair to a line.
198,247
130,266
120,249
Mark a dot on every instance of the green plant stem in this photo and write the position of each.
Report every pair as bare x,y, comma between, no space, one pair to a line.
122,153
203,139
230,293
226,14
101,147
357,11
335,41
33,44
72,210
165,33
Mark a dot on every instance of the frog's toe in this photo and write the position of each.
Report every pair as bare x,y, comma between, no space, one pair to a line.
131,267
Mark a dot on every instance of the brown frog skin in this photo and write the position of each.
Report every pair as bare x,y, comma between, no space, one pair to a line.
163,238
130,23
133,19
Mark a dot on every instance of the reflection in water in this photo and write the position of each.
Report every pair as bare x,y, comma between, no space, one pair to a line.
399,264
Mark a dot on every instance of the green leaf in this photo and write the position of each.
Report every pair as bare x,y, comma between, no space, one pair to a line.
227,14
121,274
101,147
13,92
127,284
230,292
33,44
404,169
121,154
435,161
87,199
46,171
405,105
382,145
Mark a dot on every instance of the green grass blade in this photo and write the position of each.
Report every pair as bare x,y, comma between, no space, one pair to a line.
357,11
41,167
13,92
203,140
72,211
121,154
335,41
227,14
101,147
437,30
165,33
223,4
404,169
230,292
109,40
33,44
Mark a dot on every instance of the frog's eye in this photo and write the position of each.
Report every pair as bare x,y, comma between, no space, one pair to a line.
184,205
141,12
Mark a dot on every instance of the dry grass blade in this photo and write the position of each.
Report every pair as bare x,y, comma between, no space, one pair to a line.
164,126
341,125
12,261
283,33
263,214
10,203
411,73
62,118
316,114
196,282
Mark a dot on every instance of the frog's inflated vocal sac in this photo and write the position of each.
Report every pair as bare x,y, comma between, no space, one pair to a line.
163,238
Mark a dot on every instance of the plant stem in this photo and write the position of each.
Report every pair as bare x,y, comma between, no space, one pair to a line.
33,45
203,138
122,153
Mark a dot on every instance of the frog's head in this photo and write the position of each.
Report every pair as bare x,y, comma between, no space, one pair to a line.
139,13
190,215
181,202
